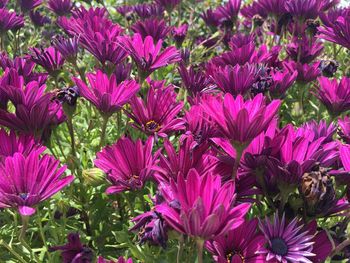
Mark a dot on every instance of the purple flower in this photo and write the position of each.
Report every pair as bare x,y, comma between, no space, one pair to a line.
286,242
238,245
122,72
273,7
125,10
68,47
211,18
146,10
303,9
28,5
282,81
60,7
305,50
147,55
228,13
3,3
234,80
10,21
157,114
128,164
27,180
155,28
74,250
179,34
105,93
306,72
49,58
195,80
338,32
168,5
238,120
317,130
335,96
200,206
38,19
344,131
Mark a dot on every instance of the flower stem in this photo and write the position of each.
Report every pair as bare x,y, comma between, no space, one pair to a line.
239,152
42,235
71,134
200,244
103,130
13,252
180,249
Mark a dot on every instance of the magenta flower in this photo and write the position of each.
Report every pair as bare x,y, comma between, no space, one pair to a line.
146,10
148,56
338,32
168,5
228,13
234,80
74,250
303,9
344,131
157,114
273,7
29,180
211,18
335,96
155,28
125,10
60,7
200,206
128,164
238,245
38,19
286,242
68,48
49,58
105,94
238,120
306,72
179,34
28,5
10,21
282,81
12,144
305,50
3,3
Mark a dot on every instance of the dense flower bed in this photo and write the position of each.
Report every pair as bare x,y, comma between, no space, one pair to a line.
174,131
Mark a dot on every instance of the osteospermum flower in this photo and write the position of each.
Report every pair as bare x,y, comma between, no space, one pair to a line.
157,114
344,131
338,32
68,48
155,28
335,96
146,10
60,7
200,206
179,34
238,120
147,55
286,242
49,58
28,5
74,250
128,164
238,245
303,9
168,4
38,19
10,21
27,180
105,94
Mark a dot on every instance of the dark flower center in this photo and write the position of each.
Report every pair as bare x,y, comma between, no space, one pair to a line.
279,246
24,196
234,256
152,126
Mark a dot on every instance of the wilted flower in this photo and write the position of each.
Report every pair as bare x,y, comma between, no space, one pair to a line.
49,58
105,93
238,245
10,21
286,242
200,206
157,114
148,56
74,250
335,96
128,164
68,95
155,28
60,7
179,34
27,180
328,67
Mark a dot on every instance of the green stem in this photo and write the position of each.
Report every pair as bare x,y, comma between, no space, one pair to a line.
103,130
42,235
200,244
180,249
13,252
72,137
239,151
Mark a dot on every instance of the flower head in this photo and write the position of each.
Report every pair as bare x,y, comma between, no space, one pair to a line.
27,180
128,164
10,21
305,50
38,19
344,131
338,32
74,250
68,47
179,34
335,96
49,58
146,10
155,28
157,114
286,242
28,5
105,93
168,5
60,7
200,206
303,9
147,55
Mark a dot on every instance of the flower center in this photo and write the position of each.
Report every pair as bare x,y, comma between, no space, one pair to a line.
152,126
279,246
24,196
234,257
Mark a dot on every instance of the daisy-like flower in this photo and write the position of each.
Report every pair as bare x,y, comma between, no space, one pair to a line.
158,113
179,34
338,32
10,21
128,164
27,180
104,92
146,10
68,48
286,243
155,28
49,58
303,9
60,7
344,131
38,19
28,5
147,55
168,5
